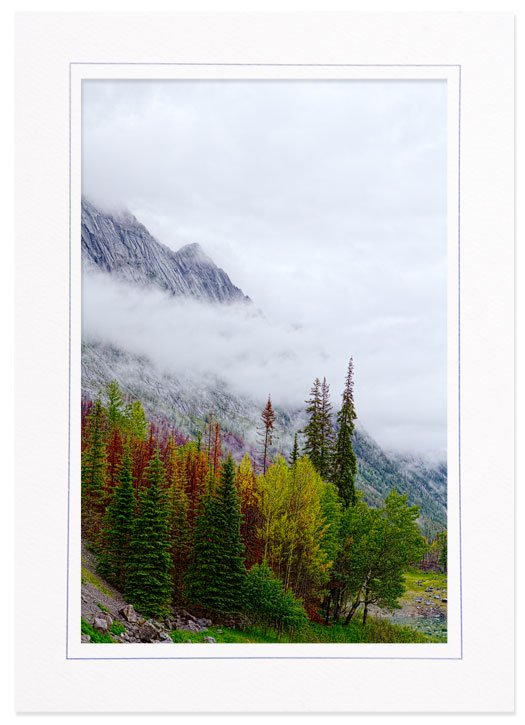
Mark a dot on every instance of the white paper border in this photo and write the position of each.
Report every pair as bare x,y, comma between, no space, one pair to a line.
482,45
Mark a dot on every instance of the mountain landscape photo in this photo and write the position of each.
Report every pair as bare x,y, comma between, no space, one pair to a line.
263,363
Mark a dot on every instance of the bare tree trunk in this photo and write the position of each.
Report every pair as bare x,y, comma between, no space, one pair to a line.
353,608
365,611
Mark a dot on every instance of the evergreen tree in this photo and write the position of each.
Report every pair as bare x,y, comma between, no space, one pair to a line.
148,580
216,575
117,526
326,433
344,467
313,429
115,405
295,452
180,531
267,433
93,473
319,431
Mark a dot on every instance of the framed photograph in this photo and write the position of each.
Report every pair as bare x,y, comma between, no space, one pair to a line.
271,273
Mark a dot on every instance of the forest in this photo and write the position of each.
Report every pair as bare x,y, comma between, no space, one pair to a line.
281,544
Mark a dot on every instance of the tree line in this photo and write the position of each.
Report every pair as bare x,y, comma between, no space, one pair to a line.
178,522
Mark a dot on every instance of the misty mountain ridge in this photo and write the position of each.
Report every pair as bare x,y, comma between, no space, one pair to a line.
118,244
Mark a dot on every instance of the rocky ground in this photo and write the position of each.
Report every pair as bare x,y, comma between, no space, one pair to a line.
105,609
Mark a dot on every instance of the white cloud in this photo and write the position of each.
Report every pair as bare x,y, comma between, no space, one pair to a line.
324,201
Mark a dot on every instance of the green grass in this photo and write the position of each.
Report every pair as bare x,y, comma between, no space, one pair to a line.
117,627
103,608
93,579
97,637
429,579
376,631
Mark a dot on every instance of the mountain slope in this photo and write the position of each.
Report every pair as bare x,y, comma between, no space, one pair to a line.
123,248
118,244
185,403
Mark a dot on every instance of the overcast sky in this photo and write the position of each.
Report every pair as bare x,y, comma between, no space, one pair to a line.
325,201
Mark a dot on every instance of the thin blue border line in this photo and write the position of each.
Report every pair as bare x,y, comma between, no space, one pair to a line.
278,65
459,366
69,386
309,65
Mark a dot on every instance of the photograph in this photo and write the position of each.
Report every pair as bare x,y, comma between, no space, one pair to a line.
264,321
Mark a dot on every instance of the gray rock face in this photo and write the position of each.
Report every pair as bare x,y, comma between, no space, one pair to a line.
120,245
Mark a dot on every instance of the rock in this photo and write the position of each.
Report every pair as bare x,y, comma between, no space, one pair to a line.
129,613
219,631
107,616
187,615
189,641
210,639
164,637
85,638
100,624
148,632
204,622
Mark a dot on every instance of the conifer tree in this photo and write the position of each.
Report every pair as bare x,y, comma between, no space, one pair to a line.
319,431
267,432
148,580
295,452
115,405
216,574
93,474
344,466
180,532
312,431
117,526
327,431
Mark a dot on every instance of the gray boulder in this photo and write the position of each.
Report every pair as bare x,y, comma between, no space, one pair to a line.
148,632
100,624
129,613
210,639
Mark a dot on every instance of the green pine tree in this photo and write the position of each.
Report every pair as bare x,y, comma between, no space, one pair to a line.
313,430
93,472
117,526
115,405
216,574
344,465
180,533
326,442
295,452
148,580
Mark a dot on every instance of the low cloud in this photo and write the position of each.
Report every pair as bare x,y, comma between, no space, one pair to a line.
257,356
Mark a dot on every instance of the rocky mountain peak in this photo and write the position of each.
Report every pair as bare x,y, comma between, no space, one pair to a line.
118,244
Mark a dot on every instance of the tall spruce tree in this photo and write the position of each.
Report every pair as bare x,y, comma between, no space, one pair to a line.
216,574
93,473
180,531
319,434
117,526
326,447
312,431
148,576
344,465
295,452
